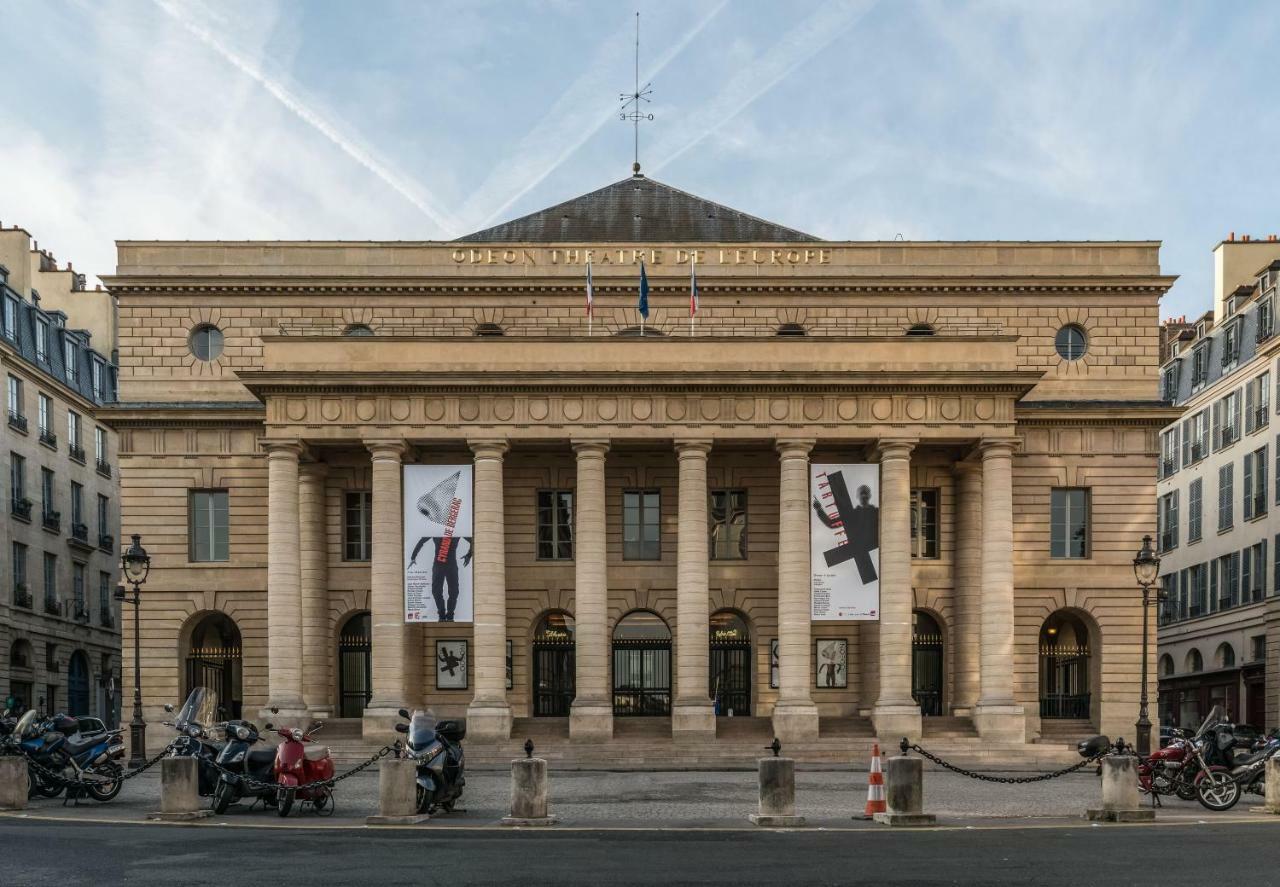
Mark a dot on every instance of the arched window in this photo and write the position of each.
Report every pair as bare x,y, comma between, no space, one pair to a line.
1071,342
635,332
1195,662
358,329
729,675
792,329
920,329
641,625
213,660
206,342
489,329
1166,665
1225,657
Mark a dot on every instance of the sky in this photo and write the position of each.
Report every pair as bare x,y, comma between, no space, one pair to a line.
849,119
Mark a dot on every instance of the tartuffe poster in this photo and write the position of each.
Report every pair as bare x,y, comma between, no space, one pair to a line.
438,544
844,541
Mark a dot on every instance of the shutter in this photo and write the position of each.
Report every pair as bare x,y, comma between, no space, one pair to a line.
1247,487
1173,519
1235,425
1248,405
1186,441
1217,424
1246,576
1212,567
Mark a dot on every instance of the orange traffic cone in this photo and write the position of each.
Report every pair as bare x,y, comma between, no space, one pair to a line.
875,786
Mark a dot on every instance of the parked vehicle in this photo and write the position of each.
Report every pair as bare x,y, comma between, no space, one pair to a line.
436,746
196,722
1171,769
56,744
298,763
245,772
1220,791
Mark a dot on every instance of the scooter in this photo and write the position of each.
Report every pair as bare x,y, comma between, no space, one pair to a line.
299,764
436,747
194,723
240,762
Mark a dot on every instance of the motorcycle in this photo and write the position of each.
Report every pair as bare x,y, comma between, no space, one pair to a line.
194,723
1221,791
436,747
1171,770
243,771
57,745
298,764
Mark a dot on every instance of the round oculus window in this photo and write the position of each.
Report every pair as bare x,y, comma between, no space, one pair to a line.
206,342
1071,342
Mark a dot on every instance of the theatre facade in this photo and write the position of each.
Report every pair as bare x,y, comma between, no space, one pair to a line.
375,475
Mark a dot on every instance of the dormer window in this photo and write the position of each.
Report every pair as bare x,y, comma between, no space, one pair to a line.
11,318
1169,383
69,360
1199,365
1230,345
1201,329
1266,319
42,340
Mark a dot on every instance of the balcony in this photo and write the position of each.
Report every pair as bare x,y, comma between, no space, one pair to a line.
80,536
20,508
104,467
1197,452
52,605
77,452
1168,541
106,618
1260,417
22,596
106,541
80,611
17,422
1259,505
52,520
1166,467
48,438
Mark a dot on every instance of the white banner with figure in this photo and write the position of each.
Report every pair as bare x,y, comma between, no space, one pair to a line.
844,541
438,512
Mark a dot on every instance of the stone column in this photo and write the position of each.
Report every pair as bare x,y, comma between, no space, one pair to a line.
966,637
489,715
591,716
795,717
391,665
896,713
693,714
284,593
317,647
997,714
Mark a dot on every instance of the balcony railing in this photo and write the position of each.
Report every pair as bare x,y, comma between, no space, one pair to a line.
17,422
22,596
105,617
106,541
1166,467
80,533
1197,452
104,467
52,520
77,452
48,438
20,508
1259,505
81,611
1168,541
52,605
1260,416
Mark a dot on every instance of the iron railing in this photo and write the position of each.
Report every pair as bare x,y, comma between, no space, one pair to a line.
77,452
21,507
52,520
1073,706
17,421
22,596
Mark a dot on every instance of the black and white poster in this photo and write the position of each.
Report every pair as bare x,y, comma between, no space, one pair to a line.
844,541
451,665
438,511
774,682
832,655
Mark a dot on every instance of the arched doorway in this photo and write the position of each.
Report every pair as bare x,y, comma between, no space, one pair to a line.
926,663
214,661
730,672
21,674
355,668
553,665
641,666
1064,667
78,685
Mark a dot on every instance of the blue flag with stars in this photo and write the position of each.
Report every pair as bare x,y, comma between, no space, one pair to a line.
644,293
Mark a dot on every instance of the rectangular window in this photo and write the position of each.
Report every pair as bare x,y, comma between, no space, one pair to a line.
1225,497
69,360
1168,452
555,525
15,397
924,523
48,493
1258,648
100,445
1169,607
1199,365
1226,419
1265,320
77,587
1246,580
11,318
42,340
1258,590
357,525
19,552
50,582
1257,408
104,599
44,413
99,380
73,429
1069,522
1230,344
729,524
104,520
641,537
1167,517
1216,567
1199,436
17,477
1255,484
209,525
1169,383
1198,578
1195,506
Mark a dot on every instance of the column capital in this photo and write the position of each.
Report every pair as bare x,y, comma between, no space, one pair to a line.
794,448
489,448
391,448
887,448
294,448
590,445
997,447
694,446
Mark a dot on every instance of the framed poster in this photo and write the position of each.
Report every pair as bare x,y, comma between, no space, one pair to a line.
774,682
833,665
510,682
451,665
437,543
844,541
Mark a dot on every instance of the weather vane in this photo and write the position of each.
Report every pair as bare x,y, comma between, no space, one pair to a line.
632,103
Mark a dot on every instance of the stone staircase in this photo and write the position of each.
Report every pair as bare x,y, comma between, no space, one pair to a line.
647,744
1064,732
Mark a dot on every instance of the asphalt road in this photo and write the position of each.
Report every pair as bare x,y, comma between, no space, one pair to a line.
59,854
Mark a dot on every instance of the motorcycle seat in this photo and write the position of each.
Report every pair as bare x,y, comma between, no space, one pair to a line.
1251,758
77,744
260,759
317,752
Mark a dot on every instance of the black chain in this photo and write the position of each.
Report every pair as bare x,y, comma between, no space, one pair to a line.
1006,780
330,782
59,779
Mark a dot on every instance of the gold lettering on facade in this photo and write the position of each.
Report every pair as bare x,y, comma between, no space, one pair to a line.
634,256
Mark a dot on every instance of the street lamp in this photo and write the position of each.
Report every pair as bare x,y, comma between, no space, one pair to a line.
136,564
1146,568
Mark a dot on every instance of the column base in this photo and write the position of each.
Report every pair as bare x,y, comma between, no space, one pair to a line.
795,721
379,724
892,722
1001,722
489,721
320,712
695,719
590,720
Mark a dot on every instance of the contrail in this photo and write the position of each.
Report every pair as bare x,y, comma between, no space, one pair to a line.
409,190
800,44
514,180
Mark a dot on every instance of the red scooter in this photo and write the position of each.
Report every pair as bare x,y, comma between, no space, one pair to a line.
298,763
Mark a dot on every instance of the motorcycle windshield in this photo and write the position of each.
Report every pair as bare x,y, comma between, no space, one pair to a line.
24,728
200,709
422,729
1215,717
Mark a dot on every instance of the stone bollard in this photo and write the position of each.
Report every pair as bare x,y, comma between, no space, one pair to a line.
904,794
13,783
1120,792
777,794
179,794
529,792
1272,786
397,793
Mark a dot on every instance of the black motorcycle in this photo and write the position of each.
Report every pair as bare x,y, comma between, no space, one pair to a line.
436,748
250,770
1221,790
195,723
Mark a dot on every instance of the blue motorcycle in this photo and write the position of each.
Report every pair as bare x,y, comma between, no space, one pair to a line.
56,744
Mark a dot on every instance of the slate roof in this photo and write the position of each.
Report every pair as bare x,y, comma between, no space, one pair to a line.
638,210
22,337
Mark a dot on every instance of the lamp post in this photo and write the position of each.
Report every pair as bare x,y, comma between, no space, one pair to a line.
136,564
1146,568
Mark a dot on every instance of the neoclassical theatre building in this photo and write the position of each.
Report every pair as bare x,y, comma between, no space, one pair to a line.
640,498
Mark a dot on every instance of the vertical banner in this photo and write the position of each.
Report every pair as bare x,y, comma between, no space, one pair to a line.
438,511
844,541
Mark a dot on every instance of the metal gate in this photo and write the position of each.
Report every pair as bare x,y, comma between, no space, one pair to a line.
641,678
212,667
553,678
1064,682
730,678
78,686
355,667
926,663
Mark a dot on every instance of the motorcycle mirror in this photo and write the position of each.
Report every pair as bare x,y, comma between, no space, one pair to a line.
404,713
269,726
274,710
315,726
168,707
402,728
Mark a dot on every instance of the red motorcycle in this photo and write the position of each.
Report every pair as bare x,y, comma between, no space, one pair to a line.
299,764
1171,770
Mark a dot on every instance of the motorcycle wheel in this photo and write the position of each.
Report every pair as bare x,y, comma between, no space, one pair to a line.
284,802
41,786
105,791
323,803
447,806
1217,790
1186,790
221,797
426,801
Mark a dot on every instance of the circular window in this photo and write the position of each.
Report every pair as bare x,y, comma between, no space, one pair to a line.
357,329
1071,342
206,342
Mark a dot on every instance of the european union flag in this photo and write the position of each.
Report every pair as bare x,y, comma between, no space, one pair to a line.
644,293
